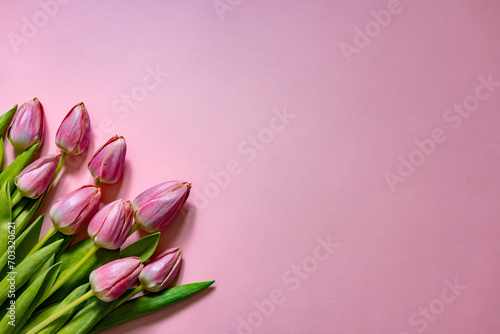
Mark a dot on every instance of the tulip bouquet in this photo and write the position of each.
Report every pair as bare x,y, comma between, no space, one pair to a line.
49,285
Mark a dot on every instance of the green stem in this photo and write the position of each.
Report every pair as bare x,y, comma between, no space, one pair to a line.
42,242
71,271
140,288
59,313
98,183
17,198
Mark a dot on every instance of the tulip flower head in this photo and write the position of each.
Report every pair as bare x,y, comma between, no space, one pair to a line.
106,165
73,135
155,208
111,280
27,126
111,226
160,273
72,211
34,180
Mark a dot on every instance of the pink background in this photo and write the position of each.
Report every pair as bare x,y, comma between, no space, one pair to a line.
322,175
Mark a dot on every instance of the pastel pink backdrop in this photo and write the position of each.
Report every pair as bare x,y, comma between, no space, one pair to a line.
230,69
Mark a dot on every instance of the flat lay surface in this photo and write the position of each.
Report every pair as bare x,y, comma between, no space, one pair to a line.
343,156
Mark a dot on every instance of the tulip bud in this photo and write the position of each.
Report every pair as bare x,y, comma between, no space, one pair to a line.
111,280
111,226
27,127
155,208
159,273
73,135
72,211
106,165
34,180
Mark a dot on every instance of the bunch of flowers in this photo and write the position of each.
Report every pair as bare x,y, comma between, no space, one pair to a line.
48,286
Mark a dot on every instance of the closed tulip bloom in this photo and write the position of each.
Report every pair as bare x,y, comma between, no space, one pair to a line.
155,208
106,165
27,126
35,179
74,210
111,226
73,135
160,273
111,280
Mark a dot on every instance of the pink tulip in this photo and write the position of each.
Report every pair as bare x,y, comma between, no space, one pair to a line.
111,280
72,211
111,226
73,135
158,274
34,180
155,208
106,165
27,126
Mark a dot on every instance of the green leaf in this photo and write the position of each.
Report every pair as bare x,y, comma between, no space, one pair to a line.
143,248
28,213
5,217
83,321
40,294
45,313
25,270
29,238
20,207
71,256
39,316
4,123
2,151
5,118
67,239
49,263
24,243
146,304
28,301
13,170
